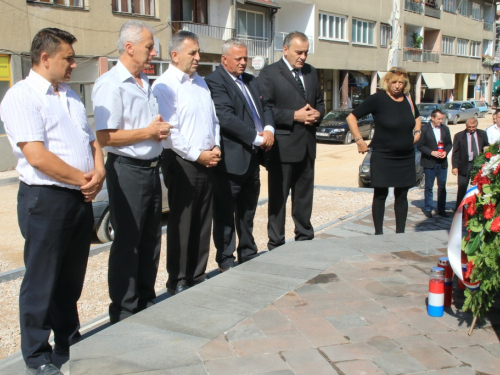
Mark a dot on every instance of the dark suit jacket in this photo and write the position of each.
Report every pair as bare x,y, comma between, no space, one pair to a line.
282,92
427,144
237,128
460,156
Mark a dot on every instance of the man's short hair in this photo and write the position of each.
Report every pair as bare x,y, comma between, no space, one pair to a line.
287,42
49,40
497,111
131,31
471,120
435,112
178,38
228,44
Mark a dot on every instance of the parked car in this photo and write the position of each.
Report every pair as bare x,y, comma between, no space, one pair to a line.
426,109
334,127
482,106
100,204
364,178
460,111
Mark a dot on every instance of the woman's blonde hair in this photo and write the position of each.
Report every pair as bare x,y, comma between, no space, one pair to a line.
393,75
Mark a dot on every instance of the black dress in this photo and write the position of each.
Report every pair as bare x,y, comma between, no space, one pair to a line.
392,162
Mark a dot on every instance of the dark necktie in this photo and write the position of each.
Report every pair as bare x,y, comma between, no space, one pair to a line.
255,116
299,82
473,146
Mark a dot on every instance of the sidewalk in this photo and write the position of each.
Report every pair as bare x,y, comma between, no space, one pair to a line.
346,303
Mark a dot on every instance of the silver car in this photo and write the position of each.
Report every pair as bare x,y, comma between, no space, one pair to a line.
460,111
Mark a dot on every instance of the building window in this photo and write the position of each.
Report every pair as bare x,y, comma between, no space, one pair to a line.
251,24
450,6
66,3
363,32
477,12
385,35
189,11
487,47
332,27
142,7
462,47
463,8
447,45
475,49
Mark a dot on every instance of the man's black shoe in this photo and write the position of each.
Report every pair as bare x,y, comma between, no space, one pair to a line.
222,270
178,289
443,214
196,282
47,369
428,214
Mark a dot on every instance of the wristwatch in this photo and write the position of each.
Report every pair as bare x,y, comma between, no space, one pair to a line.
417,131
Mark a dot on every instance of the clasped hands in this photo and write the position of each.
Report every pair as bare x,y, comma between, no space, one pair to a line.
307,114
438,154
267,141
210,158
95,180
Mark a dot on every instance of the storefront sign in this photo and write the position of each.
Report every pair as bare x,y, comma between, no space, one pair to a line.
259,62
4,67
151,71
473,77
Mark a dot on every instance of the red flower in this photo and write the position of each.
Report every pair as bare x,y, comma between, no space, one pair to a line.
488,210
467,238
482,180
497,169
488,155
471,208
470,268
495,225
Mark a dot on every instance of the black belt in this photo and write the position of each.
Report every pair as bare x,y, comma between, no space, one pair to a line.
150,163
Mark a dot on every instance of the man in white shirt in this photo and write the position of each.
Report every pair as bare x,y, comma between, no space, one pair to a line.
128,125
493,131
192,149
61,169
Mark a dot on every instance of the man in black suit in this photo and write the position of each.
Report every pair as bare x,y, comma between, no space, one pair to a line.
435,145
467,144
291,87
247,130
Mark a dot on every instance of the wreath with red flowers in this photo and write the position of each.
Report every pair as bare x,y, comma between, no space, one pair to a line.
482,242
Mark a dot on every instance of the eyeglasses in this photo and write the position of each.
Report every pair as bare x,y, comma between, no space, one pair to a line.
399,73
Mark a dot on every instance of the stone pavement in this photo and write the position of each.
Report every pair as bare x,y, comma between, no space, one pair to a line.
346,303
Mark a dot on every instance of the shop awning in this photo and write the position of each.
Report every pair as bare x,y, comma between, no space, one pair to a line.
262,3
433,80
357,79
449,80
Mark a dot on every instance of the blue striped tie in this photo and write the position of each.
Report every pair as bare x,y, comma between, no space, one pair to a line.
255,116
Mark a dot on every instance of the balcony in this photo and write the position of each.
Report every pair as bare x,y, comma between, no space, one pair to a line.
429,56
488,26
415,6
431,11
412,54
256,46
216,32
279,38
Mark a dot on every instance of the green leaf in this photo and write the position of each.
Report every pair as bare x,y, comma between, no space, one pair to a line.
474,225
486,189
473,245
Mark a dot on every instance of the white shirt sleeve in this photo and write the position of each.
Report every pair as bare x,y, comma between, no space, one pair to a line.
109,113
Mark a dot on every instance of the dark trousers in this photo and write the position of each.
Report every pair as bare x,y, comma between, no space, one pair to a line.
135,204
463,183
56,224
299,178
235,203
400,208
431,174
189,220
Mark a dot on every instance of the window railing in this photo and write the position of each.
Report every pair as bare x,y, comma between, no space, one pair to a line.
488,26
415,6
63,3
256,46
412,54
432,12
429,56
216,32
280,37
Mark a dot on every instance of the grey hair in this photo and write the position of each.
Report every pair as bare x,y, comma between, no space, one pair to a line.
231,43
179,38
131,31
294,34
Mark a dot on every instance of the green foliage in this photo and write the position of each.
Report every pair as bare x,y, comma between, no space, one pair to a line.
417,40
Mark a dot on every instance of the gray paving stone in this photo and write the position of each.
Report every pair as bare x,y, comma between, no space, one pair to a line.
429,252
296,261
245,332
306,362
398,364
493,349
310,289
340,232
279,372
346,321
252,364
359,367
479,358
278,269
463,370
362,229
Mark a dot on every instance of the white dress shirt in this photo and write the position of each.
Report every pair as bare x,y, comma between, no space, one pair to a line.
437,132
185,103
493,133
33,112
469,145
121,103
300,72
258,138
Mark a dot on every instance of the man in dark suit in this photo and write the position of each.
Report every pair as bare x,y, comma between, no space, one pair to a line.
435,145
291,87
246,129
467,144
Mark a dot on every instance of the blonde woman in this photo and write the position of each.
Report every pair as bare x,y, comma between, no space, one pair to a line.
397,129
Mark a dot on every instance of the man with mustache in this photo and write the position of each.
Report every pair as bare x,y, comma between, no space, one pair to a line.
190,153
61,169
128,125
291,87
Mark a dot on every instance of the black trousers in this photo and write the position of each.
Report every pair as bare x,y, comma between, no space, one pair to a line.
299,178
400,208
235,203
135,204
463,183
190,219
56,224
